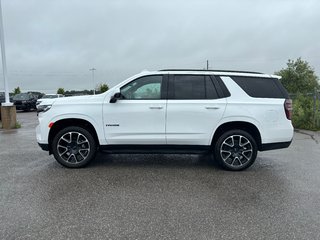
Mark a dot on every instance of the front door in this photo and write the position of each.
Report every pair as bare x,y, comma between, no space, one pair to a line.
139,116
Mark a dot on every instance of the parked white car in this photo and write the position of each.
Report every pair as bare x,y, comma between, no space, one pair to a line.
230,114
46,97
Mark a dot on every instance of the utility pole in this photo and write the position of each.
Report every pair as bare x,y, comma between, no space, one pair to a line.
4,64
207,64
94,85
8,110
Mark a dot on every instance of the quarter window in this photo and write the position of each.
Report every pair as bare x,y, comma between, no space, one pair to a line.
260,87
148,87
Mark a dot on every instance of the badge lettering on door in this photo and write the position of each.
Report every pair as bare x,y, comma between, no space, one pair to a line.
112,125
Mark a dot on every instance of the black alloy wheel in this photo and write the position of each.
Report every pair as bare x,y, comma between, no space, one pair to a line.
74,147
236,150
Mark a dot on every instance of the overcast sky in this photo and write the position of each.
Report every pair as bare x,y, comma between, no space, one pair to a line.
54,43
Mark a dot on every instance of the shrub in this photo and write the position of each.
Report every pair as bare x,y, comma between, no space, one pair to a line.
304,116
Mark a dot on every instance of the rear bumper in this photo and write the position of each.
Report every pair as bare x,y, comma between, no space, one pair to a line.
273,146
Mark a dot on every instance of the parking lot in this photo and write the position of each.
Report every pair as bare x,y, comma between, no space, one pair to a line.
157,196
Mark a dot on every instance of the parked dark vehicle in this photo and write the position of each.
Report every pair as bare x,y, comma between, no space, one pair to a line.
25,101
37,95
2,97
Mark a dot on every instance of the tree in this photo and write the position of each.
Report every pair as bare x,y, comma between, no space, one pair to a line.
103,87
298,77
16,91
60,91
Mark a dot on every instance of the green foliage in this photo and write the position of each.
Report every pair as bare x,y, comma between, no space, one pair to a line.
304,116
18,125
298,76
60,91
16,91
299,79
103,87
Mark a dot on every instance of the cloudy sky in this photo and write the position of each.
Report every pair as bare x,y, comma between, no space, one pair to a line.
54,43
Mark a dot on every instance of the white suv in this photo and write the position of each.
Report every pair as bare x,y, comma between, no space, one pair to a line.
48,98
230,114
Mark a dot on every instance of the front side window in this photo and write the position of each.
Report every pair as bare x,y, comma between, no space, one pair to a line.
148,87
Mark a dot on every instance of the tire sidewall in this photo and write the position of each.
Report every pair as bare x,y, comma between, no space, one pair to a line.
83,131
224,136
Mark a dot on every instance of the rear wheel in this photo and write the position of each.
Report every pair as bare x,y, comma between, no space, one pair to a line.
235,150
74,147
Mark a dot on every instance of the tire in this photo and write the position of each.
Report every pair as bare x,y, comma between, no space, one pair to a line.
235,150
74,147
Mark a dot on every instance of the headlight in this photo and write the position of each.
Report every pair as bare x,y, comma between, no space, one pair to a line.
43,108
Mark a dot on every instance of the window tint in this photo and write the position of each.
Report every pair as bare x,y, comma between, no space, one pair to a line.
260,87
148,87
221,87
189,87
193,87
211,92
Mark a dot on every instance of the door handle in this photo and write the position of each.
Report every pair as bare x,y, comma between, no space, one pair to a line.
215,108
159,107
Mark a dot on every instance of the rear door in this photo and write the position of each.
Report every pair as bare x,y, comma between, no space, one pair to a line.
194,108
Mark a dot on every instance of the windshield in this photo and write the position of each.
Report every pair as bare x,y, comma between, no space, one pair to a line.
22,96
50,96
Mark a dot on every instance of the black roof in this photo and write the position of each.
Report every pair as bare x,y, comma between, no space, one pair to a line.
204,70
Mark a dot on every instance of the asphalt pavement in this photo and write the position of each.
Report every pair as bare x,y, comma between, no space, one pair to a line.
123,196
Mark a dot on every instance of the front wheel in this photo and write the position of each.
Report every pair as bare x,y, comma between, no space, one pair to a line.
235,150
74,147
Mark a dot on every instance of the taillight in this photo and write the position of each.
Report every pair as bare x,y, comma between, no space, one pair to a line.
288,108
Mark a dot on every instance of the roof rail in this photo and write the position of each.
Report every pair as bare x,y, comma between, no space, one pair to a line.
213,70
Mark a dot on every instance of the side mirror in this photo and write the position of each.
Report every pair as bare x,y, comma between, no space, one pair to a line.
115,97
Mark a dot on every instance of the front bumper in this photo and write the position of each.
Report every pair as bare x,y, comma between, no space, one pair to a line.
44,147
21,107
42,139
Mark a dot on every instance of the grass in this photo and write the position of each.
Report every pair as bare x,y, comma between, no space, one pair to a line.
18,125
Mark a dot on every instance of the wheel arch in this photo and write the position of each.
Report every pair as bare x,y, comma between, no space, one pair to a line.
242,125
68,122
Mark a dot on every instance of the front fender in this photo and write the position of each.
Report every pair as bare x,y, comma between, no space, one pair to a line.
98,126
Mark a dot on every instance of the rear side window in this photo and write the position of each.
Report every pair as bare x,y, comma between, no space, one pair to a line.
261,87
193,87
189,87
